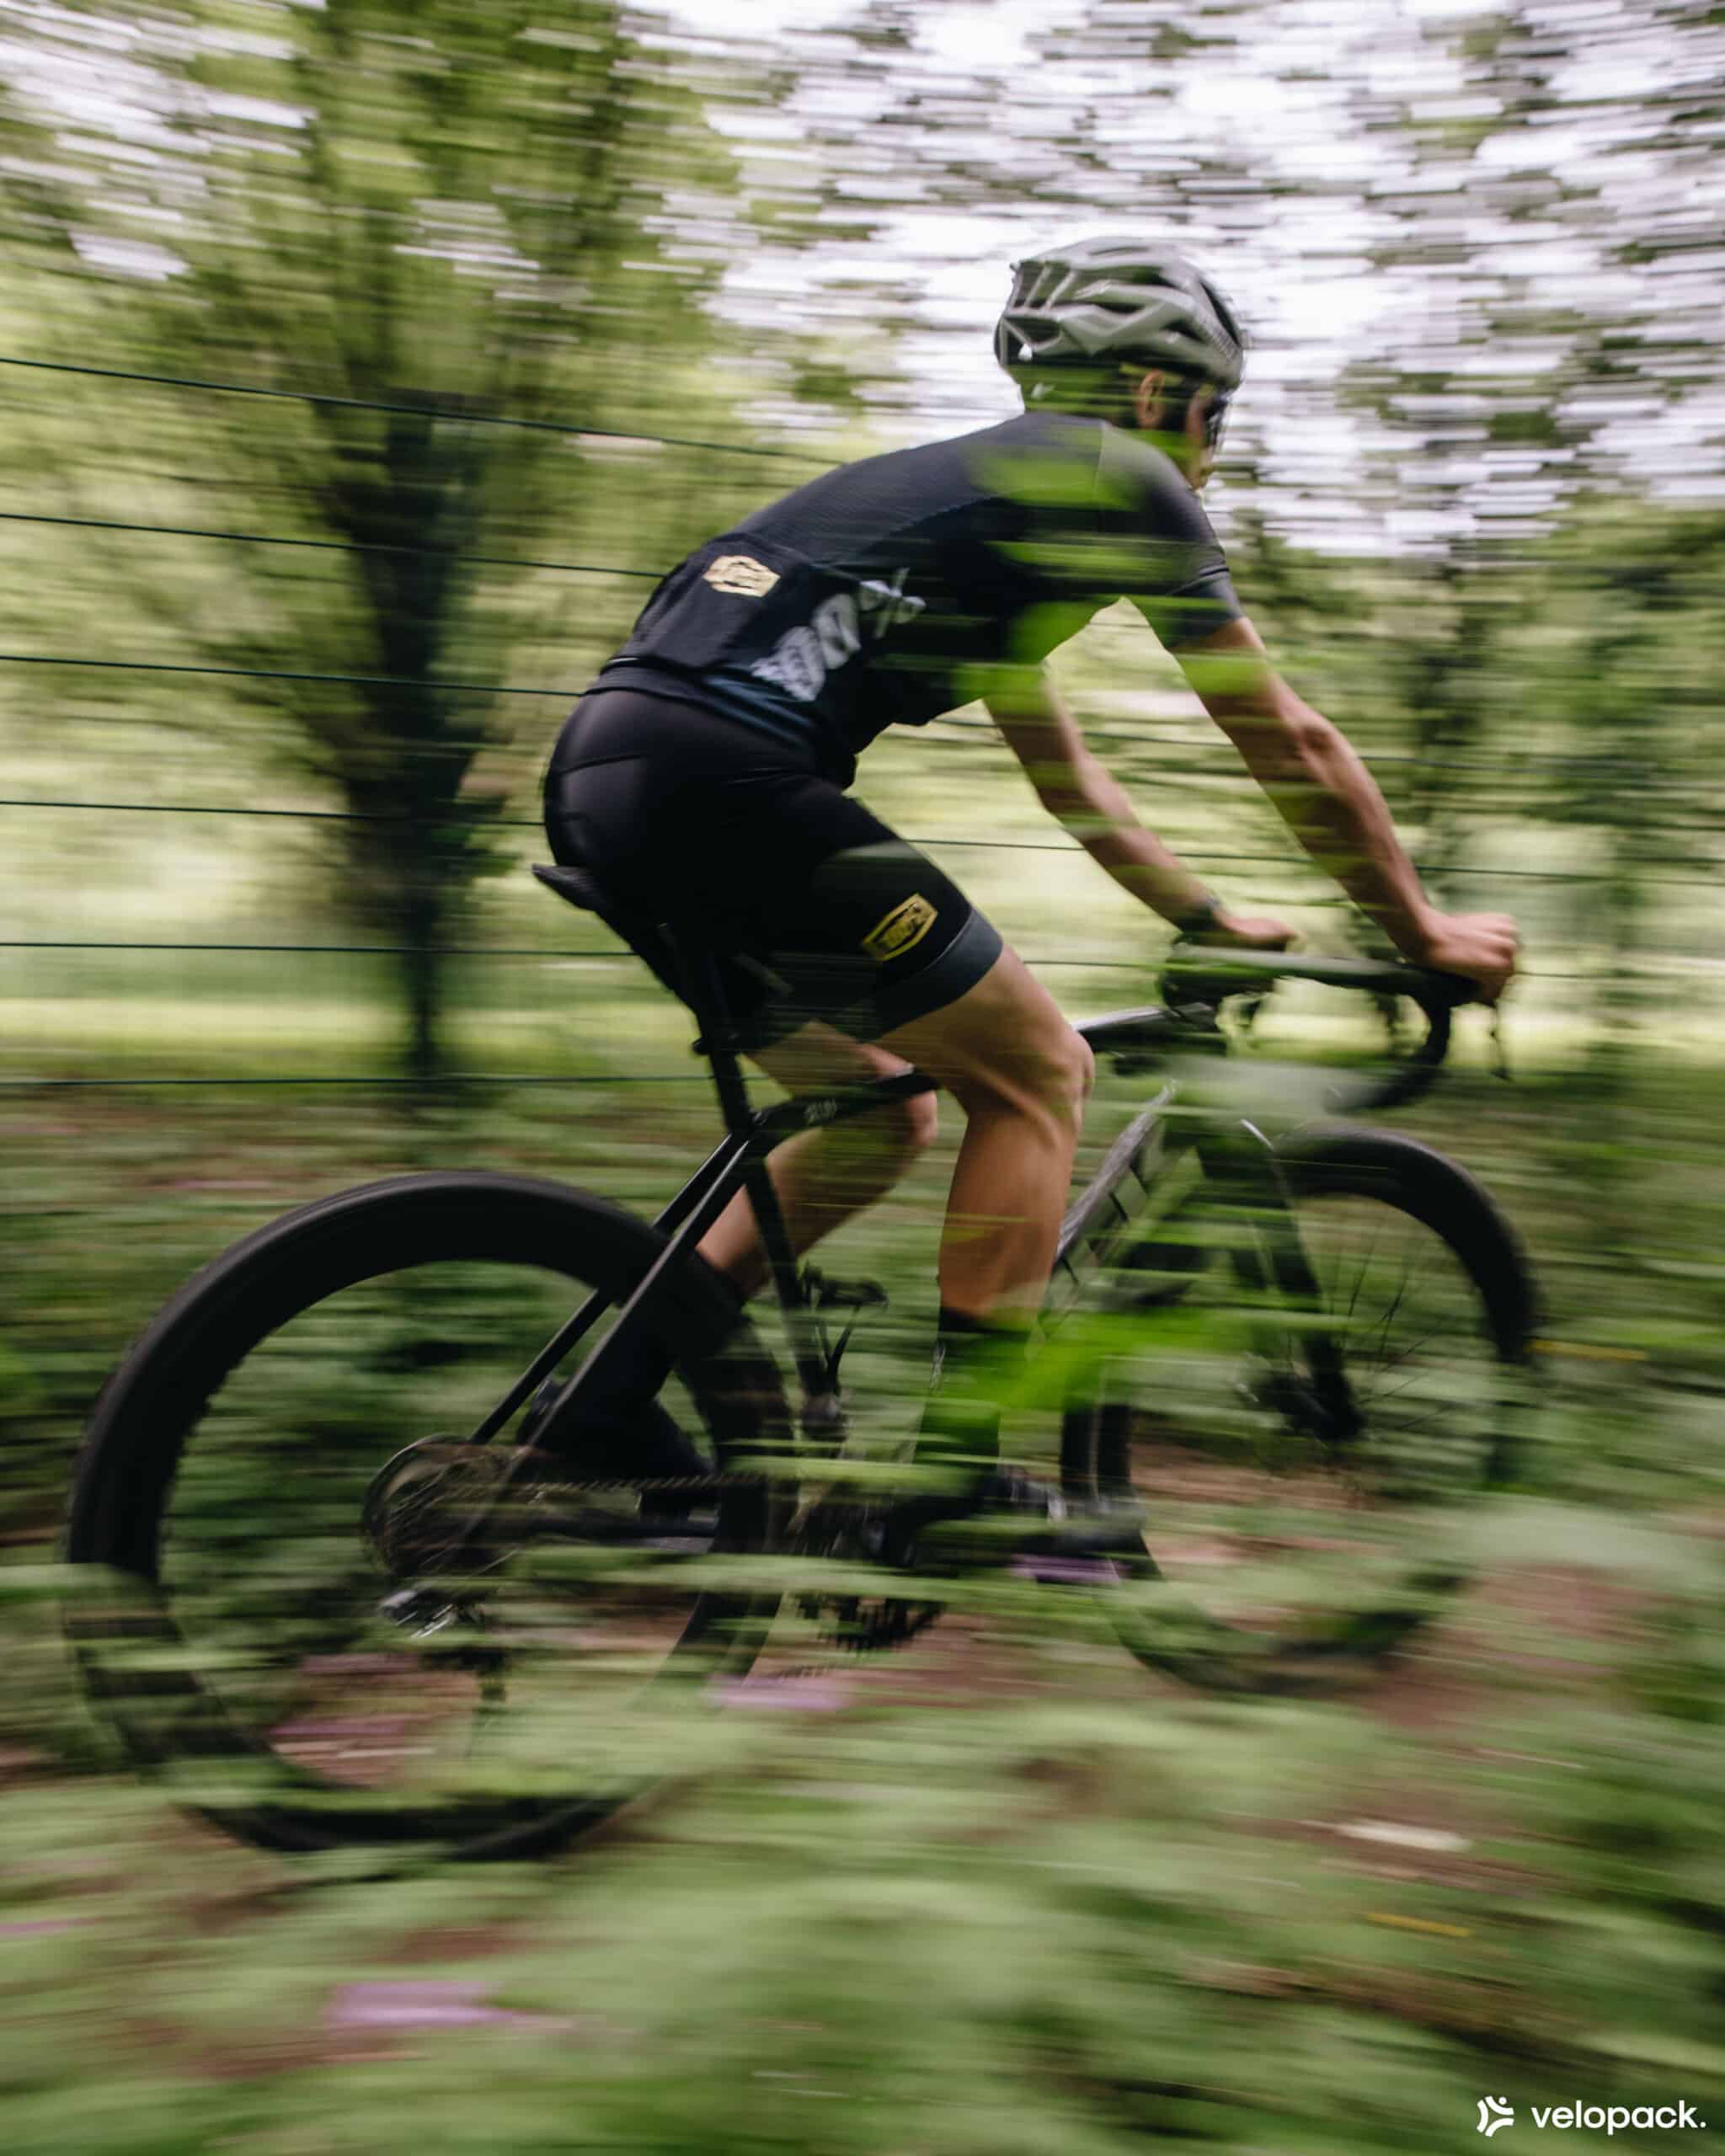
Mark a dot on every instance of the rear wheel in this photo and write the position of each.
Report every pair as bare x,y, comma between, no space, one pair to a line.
299,1632
1344,1368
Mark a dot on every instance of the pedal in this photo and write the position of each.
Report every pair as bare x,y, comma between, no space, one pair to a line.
824,1293
1001,1492
823,1419
823,1416
420,1612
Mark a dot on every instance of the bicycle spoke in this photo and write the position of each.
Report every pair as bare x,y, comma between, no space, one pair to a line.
1365,1267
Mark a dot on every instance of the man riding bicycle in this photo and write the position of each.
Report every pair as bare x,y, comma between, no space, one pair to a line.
703,778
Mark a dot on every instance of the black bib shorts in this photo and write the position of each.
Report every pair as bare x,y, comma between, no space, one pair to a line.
687,817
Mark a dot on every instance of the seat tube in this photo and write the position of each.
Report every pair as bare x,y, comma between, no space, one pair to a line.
757,1180
706,998
711,1008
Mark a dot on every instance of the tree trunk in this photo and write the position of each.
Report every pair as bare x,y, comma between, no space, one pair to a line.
422,966
409,887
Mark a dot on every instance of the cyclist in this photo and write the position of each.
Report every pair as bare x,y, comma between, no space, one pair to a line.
704,775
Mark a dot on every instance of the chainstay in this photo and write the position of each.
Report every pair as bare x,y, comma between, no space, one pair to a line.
830,1529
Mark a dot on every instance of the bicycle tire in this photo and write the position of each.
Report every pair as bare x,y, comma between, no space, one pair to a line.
1416,1184
145,1428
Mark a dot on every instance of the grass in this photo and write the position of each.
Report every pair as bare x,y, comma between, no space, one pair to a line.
1057,1919
1010,1892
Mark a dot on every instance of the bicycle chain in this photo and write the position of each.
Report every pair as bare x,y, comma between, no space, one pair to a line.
854,1624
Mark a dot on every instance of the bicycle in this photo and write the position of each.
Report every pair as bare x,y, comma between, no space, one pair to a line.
411,1591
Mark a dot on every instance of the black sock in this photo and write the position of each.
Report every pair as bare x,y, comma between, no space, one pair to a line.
639,1367
619,1427
976,1365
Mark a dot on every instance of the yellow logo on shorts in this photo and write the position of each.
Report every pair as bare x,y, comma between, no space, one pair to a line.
906,926
742,574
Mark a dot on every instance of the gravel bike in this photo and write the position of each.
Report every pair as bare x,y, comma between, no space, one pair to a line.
339,1604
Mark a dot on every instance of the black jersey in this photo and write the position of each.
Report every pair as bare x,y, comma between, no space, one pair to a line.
883,593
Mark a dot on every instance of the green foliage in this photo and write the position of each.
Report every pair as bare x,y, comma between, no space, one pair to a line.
447,225
1014,1895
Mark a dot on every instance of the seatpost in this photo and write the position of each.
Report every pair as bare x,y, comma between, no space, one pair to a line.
704,987
705,994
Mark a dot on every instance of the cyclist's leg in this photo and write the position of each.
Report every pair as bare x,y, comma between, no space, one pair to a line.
688,816
896,955
823,1177
875,939
1021,1076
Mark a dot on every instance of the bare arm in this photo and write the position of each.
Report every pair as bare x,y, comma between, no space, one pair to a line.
1079,790
1331,802
1319,788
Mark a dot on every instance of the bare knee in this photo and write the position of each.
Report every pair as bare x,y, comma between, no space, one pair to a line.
1077,1070
907,1128
1067,1081
1045,1079
1059,1071
916,1121
1003,1050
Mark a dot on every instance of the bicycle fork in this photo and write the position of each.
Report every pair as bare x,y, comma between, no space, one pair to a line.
1270,1263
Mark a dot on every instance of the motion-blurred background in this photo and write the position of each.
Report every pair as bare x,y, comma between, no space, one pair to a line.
362,363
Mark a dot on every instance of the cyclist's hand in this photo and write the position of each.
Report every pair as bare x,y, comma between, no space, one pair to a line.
1480,946
1234,932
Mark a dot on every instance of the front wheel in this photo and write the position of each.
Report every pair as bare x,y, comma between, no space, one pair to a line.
291,1629
1348,1369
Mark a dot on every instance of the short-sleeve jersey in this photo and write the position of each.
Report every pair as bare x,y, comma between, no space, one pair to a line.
889,590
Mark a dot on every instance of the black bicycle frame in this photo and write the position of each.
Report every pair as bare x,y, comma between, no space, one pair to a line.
738,1162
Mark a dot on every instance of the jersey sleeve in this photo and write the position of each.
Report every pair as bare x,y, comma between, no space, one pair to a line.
1156,544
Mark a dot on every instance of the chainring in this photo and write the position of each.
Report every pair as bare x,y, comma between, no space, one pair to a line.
850,1533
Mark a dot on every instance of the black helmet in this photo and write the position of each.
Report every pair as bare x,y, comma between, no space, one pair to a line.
1120,298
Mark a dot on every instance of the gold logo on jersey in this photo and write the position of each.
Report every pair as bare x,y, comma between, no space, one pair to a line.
739,572
903,927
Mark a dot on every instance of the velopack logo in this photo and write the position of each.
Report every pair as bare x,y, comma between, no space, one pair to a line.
1618,2118
1496,2112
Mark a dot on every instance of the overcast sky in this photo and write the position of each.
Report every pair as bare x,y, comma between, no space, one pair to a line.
1304,278
1300,266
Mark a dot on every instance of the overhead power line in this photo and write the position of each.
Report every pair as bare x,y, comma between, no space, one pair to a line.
564,427
284,673
322,546
931,839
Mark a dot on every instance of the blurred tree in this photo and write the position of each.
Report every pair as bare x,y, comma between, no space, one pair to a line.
1473,248
1633,646
430,214
1533,170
